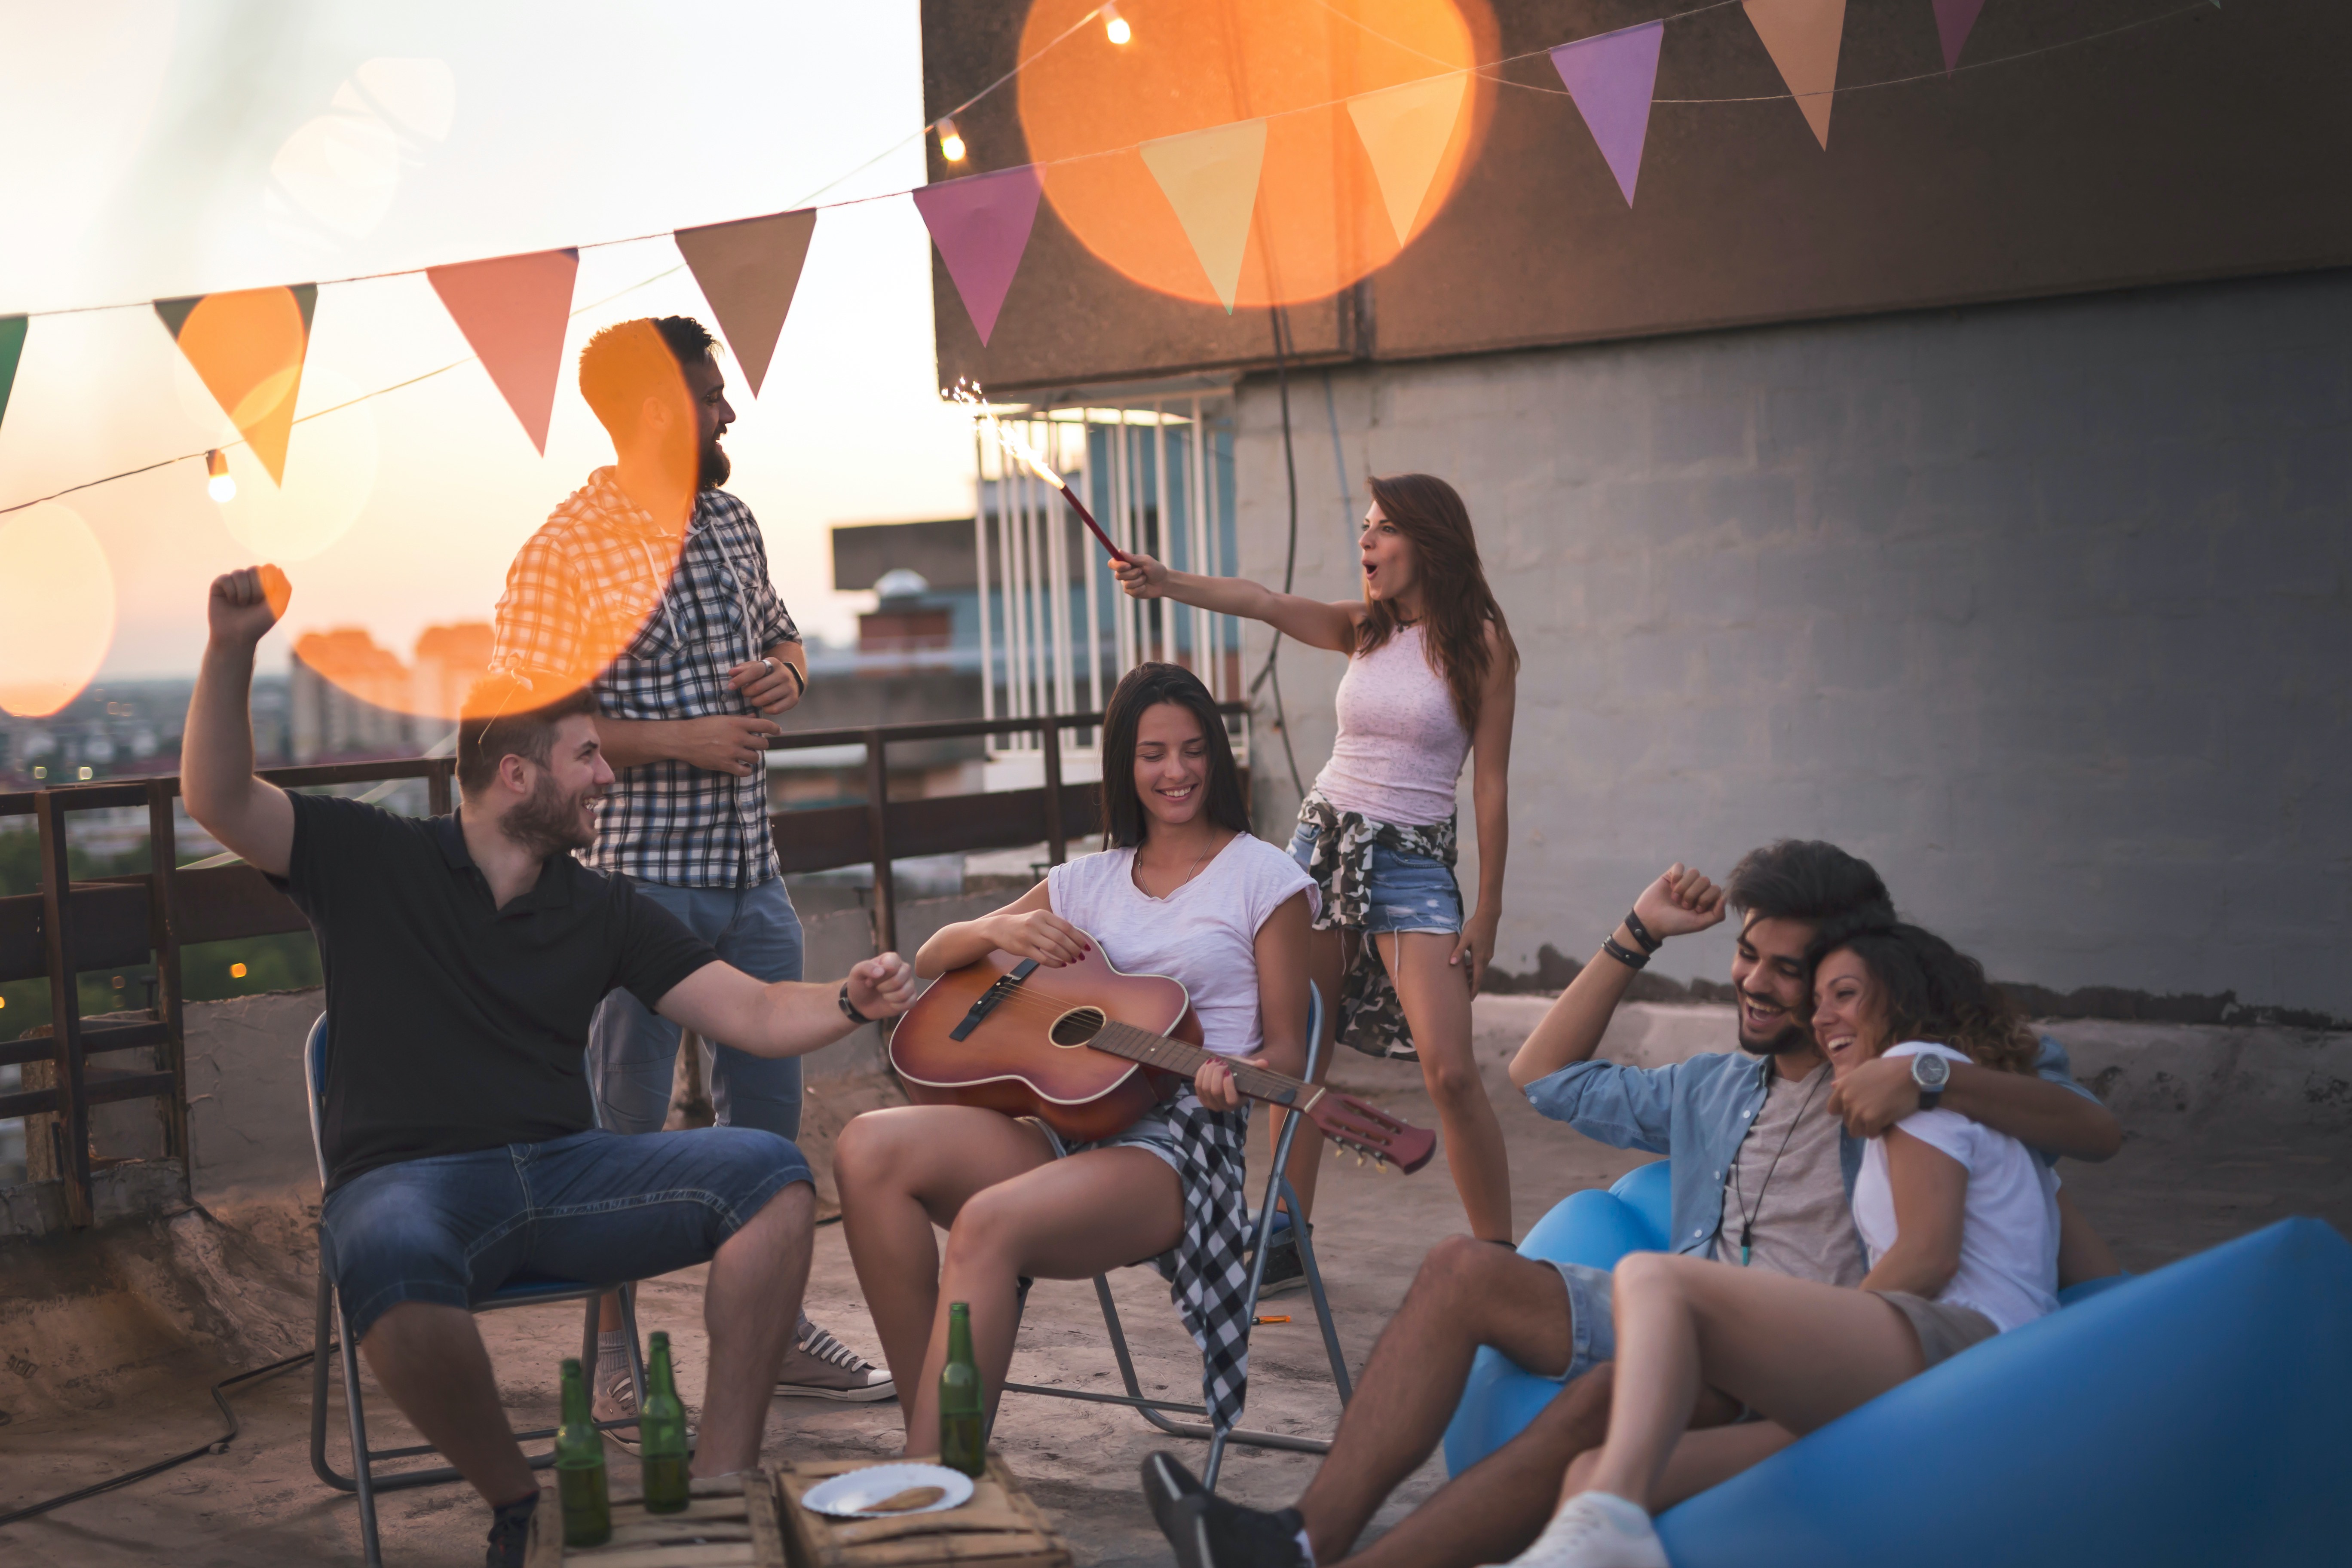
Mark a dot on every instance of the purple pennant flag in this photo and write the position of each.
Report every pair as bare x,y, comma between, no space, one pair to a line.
1611,78
982,226
1953,20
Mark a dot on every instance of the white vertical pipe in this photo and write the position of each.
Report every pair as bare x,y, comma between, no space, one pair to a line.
1212,674
1059,509
979,551
1094,569
1008,552
1168,534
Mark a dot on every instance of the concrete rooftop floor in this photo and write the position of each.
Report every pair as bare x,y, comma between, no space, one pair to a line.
117,1310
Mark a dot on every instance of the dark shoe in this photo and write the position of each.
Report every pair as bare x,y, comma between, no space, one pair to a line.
1167,1486
510,1533
1211,1532
1283,1272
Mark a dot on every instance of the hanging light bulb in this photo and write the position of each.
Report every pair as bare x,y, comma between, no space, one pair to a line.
221,486
1115,26
951,140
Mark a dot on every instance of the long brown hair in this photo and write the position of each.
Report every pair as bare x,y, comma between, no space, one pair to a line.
1146,686
1456,605
1930,990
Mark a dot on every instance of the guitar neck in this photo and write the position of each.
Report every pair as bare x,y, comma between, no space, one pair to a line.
1174,1056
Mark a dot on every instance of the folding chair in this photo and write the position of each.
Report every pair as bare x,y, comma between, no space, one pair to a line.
1278,1187
365,1479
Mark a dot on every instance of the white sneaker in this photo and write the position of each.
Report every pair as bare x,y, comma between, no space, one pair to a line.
1596,1530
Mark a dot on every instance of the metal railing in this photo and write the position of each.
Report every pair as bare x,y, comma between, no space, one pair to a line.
71,927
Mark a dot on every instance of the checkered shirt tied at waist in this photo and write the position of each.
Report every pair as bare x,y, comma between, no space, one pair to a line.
585,598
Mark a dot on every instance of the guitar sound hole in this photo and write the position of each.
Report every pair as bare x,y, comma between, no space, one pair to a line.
1077,1026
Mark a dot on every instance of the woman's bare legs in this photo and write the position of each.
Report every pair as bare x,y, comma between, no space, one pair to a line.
1324,967
1436,998
1702,1459
1805,1351
1011,1210
901,1172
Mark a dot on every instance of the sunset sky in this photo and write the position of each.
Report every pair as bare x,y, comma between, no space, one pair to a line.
160,149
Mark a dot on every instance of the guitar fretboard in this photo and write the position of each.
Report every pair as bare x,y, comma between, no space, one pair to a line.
1174,1056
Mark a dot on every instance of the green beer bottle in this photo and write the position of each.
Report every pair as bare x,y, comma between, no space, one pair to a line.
580,1465
964,1402
661,1434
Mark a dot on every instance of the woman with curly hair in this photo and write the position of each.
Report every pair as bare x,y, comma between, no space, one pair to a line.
1959,1223
1431,681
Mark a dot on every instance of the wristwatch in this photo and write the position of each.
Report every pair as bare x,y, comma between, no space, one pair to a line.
848,1008
1931,1073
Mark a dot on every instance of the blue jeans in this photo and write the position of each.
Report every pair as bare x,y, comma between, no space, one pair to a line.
633,1053
594,1206
1407,892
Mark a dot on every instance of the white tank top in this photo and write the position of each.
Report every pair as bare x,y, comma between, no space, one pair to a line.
1400,746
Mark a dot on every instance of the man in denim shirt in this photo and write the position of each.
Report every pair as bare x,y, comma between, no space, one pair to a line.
1778,1200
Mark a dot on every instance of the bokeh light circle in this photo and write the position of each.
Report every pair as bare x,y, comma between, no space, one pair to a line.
56,608
1320,224
330,472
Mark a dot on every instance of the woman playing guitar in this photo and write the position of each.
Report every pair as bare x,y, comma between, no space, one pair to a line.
1184,891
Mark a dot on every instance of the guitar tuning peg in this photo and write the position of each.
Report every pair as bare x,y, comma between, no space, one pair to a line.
1360,1159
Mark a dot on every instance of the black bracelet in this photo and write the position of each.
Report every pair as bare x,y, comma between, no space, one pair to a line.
848,1008
1630,959
1642,933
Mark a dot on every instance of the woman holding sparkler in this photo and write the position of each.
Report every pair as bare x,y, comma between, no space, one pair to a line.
1432,679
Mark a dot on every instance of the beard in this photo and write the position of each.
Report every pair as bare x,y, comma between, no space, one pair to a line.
549,822
1789,1037
712,467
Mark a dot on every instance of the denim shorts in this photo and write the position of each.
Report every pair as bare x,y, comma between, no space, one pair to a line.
1591,1318
1408,892
598,1208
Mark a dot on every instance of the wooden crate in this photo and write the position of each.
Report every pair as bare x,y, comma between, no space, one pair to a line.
726,1525
999,1528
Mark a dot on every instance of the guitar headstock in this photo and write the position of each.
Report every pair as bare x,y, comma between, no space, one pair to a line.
1371,1133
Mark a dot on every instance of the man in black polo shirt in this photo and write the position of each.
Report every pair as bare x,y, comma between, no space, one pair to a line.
464,956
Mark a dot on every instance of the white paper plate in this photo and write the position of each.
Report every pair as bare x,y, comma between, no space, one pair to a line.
850,1494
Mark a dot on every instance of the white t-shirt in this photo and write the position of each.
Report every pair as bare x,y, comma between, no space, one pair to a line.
1204,934
2009,1229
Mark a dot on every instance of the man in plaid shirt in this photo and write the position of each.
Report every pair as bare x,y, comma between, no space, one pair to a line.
652,584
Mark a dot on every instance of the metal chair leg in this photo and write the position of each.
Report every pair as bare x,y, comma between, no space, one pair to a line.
363,1468
1322,1302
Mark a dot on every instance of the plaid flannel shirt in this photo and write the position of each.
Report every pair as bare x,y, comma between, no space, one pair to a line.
586,599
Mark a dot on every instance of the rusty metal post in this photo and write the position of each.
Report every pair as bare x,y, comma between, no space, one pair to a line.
878,844
72,1122
1057,843
163,936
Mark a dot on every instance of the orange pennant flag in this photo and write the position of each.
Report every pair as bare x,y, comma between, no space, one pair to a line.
1405,131
1802,38
1210,177
247,347
749,270
513,311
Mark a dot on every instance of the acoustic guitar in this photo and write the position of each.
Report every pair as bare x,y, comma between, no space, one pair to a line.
1088,1051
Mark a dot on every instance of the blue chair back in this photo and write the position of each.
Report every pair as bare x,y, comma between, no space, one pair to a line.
314,1083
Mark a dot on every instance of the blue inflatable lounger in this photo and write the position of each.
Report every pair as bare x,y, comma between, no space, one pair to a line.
2199,1416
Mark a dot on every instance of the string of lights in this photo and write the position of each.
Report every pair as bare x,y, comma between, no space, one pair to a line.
954,149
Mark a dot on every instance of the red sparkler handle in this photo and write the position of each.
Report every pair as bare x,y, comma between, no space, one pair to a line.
1095,528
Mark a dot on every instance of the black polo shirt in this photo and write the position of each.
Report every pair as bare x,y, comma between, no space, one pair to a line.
453,1025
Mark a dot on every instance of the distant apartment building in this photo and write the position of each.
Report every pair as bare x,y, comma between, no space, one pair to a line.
349,698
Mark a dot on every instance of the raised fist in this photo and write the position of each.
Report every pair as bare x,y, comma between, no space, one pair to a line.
246,604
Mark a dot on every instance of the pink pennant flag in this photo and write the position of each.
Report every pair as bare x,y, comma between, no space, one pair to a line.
1611,78
513,311
1954,19
749,270
982,226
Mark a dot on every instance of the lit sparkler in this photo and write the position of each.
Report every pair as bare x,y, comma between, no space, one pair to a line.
968,394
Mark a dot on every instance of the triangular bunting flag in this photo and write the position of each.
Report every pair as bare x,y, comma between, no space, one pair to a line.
1405,131
749,270
247,347
1210,177
1954,19
982,225
513,311
1611,78
1802,38
12,349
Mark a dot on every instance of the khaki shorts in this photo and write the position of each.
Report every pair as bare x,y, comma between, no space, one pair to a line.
1944,1329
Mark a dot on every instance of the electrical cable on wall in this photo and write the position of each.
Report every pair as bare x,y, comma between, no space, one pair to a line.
1279,319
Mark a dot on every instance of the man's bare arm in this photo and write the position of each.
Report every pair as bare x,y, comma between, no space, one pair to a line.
2035,1111
249,815
789,1018
734,744
1677,904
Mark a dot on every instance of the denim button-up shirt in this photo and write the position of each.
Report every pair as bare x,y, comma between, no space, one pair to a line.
1697,1112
